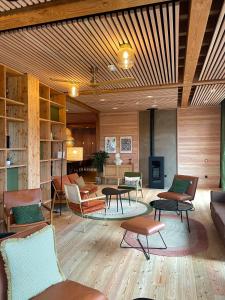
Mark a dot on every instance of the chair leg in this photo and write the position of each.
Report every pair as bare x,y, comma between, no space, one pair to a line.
129,197
117,203
188,221
142,194
121,204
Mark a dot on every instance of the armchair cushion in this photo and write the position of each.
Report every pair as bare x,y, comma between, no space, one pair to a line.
174,196
73,177
31,264
80,182
57,182
27,214
132,181
180,186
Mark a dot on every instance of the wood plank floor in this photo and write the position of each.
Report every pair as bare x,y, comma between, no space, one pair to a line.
94,258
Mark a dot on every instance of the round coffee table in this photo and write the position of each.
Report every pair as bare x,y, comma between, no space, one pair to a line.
172,205
109,192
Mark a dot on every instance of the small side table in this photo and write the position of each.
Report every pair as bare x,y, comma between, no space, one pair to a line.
109,192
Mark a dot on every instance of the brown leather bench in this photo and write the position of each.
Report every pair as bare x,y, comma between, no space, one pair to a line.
68,290
143,225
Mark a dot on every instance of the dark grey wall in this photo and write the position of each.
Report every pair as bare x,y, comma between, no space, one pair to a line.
165,142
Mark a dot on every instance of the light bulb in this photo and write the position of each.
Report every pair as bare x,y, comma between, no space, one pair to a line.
125,57
73,91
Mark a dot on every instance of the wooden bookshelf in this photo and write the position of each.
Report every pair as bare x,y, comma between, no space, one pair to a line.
52,136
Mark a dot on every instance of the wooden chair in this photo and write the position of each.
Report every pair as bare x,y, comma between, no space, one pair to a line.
22,198
137,187
83,206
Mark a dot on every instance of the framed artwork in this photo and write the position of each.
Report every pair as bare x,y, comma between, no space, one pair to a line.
126,144
110,144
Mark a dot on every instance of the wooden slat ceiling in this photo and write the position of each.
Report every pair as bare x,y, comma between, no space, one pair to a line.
213,67
132,101
157,33
6,6
67,50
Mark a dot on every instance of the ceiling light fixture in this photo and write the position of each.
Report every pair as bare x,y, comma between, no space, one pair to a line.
73,90
125,56
149,96
102,100
115,108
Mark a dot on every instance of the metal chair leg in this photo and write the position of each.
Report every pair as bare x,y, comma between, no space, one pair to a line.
121,204
188,221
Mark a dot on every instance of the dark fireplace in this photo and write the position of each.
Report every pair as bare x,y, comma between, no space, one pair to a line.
156,163
156,172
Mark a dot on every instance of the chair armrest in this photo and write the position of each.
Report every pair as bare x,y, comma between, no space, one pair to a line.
46,206
120,180
217,196
95,198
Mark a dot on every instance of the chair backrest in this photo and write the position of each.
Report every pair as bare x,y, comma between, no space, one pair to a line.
133,174
72,193
21,198
193,186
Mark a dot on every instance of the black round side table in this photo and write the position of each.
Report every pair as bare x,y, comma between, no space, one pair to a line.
109,192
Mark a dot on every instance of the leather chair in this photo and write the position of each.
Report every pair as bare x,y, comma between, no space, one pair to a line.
22,198
188,196
68,290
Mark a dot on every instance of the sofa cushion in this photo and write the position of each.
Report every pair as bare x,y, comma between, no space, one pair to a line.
27,214
70,290
57,182
31,264
73,177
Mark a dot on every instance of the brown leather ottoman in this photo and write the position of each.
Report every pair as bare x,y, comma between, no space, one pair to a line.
143,225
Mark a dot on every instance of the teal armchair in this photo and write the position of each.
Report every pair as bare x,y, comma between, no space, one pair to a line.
131,181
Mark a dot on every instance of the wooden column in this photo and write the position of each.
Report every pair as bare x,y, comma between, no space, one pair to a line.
33,132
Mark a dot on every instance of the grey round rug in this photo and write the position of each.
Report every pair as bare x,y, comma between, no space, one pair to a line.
129,211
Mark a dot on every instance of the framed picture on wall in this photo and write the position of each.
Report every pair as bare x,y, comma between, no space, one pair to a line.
126,144
110,144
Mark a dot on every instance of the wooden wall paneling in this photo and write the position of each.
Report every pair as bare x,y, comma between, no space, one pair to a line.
33,131
198,144
121,124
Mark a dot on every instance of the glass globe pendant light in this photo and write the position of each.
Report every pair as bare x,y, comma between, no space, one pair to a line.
125,56
73,90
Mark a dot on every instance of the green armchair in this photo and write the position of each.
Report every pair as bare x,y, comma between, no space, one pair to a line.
131,181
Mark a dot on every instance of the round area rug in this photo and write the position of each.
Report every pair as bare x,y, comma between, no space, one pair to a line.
129,211
176,236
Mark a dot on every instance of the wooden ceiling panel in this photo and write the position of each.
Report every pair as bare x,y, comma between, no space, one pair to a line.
132,101
208,95
213,67
68,49
6,6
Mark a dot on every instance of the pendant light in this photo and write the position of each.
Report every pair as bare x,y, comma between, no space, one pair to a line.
125,56
73,90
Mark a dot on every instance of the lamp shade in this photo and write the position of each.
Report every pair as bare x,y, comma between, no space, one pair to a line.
73,90
125,57
75,153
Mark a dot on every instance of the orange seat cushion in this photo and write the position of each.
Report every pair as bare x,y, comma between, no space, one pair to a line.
174,196
57,182
73,177
89,206
143,225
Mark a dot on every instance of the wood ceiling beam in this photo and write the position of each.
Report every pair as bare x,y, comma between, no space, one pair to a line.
82,105
154,87
64,9
198,17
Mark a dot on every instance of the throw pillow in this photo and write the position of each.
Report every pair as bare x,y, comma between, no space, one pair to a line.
132,181
179,186
31,264
27,214
80,182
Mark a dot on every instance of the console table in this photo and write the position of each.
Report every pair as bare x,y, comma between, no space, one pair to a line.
111,171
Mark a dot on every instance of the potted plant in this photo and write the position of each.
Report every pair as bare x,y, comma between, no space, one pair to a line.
99,159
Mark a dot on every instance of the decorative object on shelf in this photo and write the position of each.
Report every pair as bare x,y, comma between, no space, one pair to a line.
99,159
69,138
61,154
75,153
118,161
130,160
8,161
110,144
125,56
126,144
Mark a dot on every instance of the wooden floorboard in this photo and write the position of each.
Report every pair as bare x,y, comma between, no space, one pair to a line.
94,258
